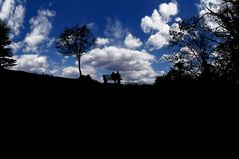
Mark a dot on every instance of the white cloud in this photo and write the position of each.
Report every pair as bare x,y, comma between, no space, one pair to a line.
142,76
73,71
13,11
168,10
32,63
16,21
40,29
7,8
132,42
102,41
154,23
15,46
88,70
158,25
178,19
115,29
158,41
70,72
121,59
135,66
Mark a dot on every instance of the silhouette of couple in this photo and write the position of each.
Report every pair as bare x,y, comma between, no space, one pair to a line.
116,77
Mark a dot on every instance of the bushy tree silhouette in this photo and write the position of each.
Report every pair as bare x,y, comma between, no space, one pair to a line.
76,40
6,60
227,20
194,48
206,51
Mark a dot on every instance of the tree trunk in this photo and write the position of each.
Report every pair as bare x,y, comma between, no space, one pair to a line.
79,65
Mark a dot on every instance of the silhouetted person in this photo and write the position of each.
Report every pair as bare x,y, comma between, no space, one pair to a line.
118,77
114,77
105,79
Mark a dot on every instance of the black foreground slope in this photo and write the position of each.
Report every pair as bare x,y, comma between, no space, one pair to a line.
74,88
31,98
16,82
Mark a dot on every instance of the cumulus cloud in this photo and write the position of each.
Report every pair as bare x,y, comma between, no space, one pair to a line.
70,72
158,41
89,70
121,59
132,42
40,29
158,25
32,63
154,23
135,66
13,11
73,71
168,10
102,41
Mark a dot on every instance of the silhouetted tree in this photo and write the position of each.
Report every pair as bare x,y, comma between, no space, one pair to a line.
76,41
226,19
6,60
208,51
194,49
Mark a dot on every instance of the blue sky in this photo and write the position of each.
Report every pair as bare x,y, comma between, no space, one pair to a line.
130,39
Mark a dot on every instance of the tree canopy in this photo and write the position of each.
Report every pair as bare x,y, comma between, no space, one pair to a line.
206,51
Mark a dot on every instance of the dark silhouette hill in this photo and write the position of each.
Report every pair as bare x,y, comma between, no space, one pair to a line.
75,88
183,91
37,98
